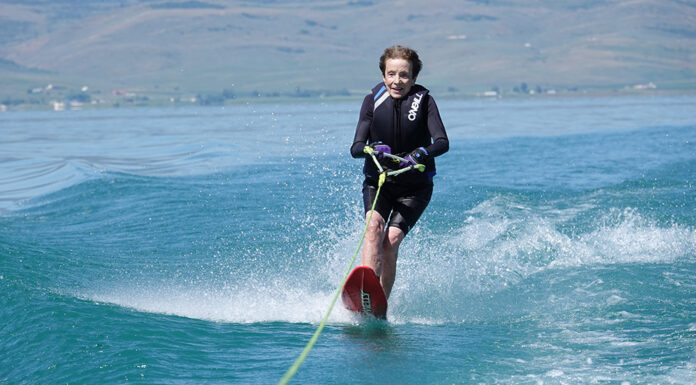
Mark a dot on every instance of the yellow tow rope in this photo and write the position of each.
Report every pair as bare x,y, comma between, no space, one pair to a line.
382,177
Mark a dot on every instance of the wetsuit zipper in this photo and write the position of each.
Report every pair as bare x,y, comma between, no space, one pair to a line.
397,126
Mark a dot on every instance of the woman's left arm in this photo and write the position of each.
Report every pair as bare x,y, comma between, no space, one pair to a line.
437,131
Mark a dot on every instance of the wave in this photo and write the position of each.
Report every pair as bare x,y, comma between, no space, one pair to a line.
445,275
23,179
43,153
505,243
275,301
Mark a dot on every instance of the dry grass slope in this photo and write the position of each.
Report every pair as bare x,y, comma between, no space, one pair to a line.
197,47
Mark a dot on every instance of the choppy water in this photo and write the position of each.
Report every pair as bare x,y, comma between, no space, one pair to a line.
203,246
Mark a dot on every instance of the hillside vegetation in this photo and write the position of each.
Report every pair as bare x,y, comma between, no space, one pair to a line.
213,50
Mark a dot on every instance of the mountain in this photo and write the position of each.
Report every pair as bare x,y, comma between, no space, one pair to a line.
175,48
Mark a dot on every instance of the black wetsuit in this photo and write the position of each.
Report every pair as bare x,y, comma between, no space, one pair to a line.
404,124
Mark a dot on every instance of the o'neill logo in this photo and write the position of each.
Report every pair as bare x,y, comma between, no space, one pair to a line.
414,107
366,302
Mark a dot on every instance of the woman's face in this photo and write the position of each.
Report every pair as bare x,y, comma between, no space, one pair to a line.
398,77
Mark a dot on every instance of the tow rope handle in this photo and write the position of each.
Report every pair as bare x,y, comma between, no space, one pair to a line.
370,151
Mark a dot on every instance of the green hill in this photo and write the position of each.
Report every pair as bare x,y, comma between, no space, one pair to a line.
221,49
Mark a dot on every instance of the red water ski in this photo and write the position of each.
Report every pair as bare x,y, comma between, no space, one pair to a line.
363,293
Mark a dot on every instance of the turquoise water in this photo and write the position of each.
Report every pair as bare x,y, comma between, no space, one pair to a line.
203,246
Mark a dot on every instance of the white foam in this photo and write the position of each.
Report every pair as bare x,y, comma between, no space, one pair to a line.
443,277
260,304
682,374
519,240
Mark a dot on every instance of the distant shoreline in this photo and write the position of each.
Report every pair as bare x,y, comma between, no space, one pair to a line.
133,100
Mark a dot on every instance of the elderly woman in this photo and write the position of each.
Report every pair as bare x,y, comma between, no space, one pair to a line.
398,117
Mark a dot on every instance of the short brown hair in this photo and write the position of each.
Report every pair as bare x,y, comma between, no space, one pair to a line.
401,52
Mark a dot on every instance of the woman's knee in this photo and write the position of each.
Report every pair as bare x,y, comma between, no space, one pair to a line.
375,227
393,238
376,221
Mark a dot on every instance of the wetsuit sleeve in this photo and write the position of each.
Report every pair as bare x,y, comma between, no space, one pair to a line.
362,131
440,143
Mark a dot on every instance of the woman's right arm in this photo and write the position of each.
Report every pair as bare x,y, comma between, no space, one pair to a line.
362,131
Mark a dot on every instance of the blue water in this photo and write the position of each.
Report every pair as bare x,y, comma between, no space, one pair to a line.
204,245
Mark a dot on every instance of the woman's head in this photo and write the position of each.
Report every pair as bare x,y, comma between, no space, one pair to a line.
400,67
401,52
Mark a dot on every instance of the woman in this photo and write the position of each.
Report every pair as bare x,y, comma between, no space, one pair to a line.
401,118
